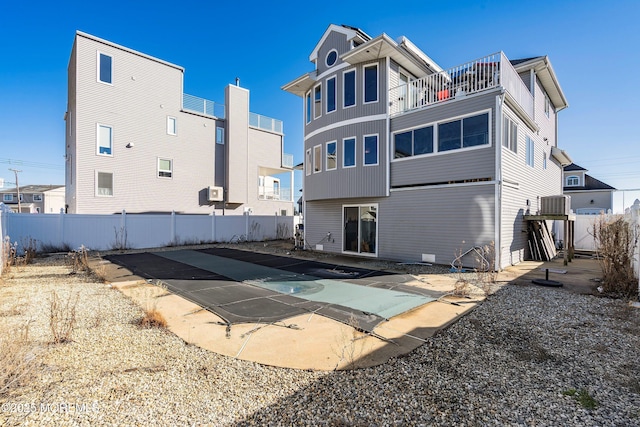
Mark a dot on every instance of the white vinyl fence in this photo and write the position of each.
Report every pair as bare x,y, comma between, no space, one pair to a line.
139,231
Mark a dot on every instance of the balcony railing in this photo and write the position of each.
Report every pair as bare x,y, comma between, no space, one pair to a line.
287,160
271,193
202,106
265,123
472,77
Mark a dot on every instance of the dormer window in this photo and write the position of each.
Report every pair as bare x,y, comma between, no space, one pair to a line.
573,181
332,57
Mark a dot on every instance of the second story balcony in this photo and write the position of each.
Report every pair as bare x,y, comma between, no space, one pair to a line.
469,78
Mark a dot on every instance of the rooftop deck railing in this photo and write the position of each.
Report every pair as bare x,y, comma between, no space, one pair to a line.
265,123
287,160
472,77
202,106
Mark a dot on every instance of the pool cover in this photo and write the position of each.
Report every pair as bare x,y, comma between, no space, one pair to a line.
242,286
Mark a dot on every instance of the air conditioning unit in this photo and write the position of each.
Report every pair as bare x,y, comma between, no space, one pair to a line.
555,205
215,194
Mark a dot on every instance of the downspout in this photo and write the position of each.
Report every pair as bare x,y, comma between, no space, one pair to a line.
387,135
498,185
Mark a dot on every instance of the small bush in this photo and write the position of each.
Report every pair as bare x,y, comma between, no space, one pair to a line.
62,317
9,254
30,248
616,240
153,319
78,260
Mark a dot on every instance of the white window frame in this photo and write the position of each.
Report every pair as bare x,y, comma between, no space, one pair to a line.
97,188
530,154
219,131
7,197
165,171
335,160
364,151
317,104
172,125
37,197
308,106
355,152
507,138
547,105
570,181
308,162
98,126
335,94
317,158
377,237
98,53
364,83
344,88
544,160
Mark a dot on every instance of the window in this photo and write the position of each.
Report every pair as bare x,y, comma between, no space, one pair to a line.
530,150
349,87
317,101
331,155
510,134
360,228
105,140
7,197
413,142
371,150
21,197
331,94
37,197
171,125
573,181
307,162
371,83
104,182
547,105
309,107
349,152
104,68
544,160
219,135
332,57
165,168
468,132
317,158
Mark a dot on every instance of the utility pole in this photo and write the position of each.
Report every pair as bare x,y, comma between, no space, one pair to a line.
15,171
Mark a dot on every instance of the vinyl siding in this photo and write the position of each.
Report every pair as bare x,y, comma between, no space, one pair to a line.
70,137
472,163
522,183
547,124
237,144
601,199
439,221
334,40
358,181
354,112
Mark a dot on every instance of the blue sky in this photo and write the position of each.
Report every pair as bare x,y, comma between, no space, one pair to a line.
593,47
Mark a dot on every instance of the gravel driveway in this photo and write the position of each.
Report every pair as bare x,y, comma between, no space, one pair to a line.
527,356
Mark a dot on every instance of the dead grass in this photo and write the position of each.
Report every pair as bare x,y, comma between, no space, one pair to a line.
62,317
18,358
152,319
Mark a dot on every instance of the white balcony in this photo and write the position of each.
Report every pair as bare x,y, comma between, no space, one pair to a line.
469,78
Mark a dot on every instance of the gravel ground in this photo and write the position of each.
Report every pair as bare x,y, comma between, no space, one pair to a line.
527,356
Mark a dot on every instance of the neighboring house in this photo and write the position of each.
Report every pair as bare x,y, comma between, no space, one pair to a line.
588,195
34,198
136,142
407,161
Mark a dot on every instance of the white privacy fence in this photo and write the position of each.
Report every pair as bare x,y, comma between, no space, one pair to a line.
139,231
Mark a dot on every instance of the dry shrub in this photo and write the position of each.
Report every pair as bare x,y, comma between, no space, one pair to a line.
616,240
17,358
9,254
153,319
62,317
78,260
30,248
486,272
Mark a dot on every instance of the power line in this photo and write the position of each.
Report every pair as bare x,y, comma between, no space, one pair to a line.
26,163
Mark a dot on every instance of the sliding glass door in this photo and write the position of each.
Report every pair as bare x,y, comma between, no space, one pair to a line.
360,229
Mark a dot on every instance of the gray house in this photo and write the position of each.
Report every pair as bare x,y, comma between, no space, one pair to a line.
136,142
588,195
406,160
34,198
